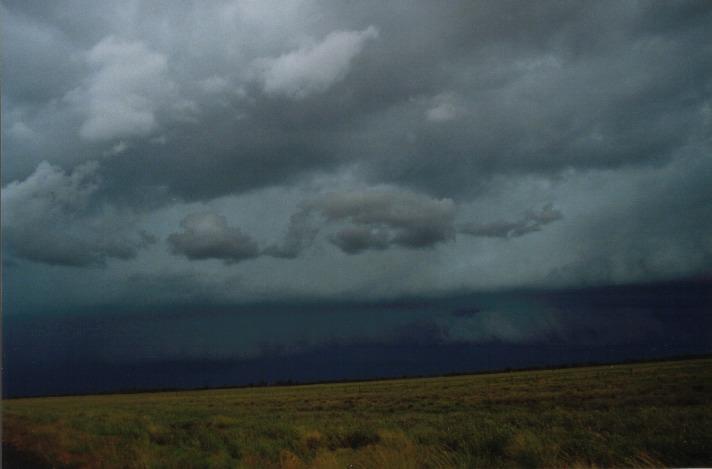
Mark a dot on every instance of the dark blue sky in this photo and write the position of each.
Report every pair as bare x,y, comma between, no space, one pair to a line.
236,182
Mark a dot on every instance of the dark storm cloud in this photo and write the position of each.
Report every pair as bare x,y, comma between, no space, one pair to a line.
435,96
578,86
34,82
53,248
207,236
644,232
354,239
532,221
215,156
50,249
48,218
467,102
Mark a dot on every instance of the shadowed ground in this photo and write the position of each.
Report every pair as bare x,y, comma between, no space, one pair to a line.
12,458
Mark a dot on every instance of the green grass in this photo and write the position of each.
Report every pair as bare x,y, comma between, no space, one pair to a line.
643,415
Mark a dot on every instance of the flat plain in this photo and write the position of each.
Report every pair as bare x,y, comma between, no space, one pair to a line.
630,415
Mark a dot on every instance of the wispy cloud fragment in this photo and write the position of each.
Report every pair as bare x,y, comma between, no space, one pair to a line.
532,221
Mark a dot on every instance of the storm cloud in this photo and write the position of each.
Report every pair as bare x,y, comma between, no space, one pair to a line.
354,148
49,218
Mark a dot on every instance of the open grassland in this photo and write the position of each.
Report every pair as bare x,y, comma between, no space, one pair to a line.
642,415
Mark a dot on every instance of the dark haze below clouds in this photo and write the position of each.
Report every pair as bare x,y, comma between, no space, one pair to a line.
242,344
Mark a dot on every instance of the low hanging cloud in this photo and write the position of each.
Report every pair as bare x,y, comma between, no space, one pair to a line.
353,221
370,220
51,217
356,221
64,249
378,219
604,105
51,249
207,235
314,67
533,221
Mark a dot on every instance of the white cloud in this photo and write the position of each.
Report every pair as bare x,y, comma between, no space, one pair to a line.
314,67
123,95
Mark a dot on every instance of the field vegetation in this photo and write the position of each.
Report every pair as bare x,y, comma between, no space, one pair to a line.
641,415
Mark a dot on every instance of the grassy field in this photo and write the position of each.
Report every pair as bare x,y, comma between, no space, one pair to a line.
642,415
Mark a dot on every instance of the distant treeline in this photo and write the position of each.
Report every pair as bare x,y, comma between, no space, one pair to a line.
292,382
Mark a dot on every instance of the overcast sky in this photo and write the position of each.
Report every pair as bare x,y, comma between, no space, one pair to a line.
406,187
163,152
